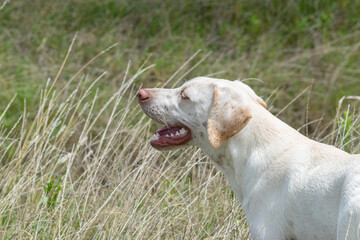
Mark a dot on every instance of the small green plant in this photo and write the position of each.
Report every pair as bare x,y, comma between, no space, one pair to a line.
51,192
5,218
347,125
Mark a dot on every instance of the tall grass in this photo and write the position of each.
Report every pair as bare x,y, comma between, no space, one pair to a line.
75,158
65,176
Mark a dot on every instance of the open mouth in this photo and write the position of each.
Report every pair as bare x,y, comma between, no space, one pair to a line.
170,136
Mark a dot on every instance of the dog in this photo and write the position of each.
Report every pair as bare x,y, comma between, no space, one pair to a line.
289,186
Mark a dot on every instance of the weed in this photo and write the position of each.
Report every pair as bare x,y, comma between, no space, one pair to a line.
51,192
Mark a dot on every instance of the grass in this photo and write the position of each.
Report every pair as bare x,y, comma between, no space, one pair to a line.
288,45
64,178
75,162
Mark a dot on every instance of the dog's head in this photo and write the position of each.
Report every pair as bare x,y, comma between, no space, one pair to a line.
203,109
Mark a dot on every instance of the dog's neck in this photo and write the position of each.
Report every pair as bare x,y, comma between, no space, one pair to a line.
245,157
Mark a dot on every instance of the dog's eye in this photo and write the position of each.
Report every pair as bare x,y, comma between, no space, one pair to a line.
183,95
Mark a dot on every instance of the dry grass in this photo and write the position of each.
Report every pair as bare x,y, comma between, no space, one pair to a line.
77,164
63,177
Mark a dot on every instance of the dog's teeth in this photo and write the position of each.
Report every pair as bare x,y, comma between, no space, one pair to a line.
167,135
172,135
157,134
155,137
177,133
182,131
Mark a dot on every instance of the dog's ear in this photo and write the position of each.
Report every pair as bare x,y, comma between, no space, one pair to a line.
227,117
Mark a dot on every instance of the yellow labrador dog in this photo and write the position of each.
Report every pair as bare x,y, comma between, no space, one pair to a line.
289,186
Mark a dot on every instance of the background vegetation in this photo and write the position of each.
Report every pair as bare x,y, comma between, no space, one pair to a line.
75,162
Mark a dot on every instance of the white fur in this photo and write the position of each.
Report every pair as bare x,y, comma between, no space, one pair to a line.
289,186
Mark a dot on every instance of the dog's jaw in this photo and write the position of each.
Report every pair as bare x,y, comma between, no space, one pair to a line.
170,137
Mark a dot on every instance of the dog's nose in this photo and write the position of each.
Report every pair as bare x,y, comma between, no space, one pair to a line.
143,95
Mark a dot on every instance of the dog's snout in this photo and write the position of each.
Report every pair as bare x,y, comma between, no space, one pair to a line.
143,95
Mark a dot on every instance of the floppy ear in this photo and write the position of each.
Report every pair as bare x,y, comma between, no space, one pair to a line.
227,117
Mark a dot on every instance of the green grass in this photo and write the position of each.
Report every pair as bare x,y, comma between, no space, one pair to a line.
288,45
78,166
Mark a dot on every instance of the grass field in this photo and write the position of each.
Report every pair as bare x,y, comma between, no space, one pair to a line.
75,161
